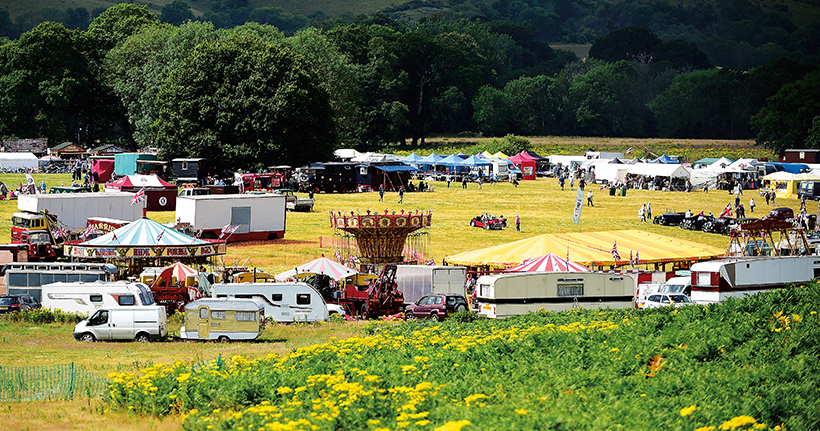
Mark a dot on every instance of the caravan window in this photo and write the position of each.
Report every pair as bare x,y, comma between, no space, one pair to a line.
126,300
59,278
570,290
34,280
245,316
88,278
72,278
276,297
217,314
96,298
17,279
303,298
46,279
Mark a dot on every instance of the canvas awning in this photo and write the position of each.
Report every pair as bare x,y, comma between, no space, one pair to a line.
658,170
322,265
590,248
138,181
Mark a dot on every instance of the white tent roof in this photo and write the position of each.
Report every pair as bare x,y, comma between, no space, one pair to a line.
720,165
346,153
659,170
19,160
565,160
612,172
375,157
743,164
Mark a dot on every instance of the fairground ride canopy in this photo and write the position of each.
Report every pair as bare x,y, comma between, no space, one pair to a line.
593,249
144,239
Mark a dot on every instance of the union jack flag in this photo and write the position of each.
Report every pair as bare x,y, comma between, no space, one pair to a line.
88,231
160,235
59,233
628,150
431,262
637,256
338,255
139,197
631,261
615,254
228,230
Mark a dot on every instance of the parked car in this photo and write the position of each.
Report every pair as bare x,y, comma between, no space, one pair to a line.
669,219
696,222
782,213
717,225
12,303
489,222
436,306
666,300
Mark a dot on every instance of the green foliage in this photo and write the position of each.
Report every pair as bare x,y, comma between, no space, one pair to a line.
118,22
786,121
42,315
176,13
685,368
246,103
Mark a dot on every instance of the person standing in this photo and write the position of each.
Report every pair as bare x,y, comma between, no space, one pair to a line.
381,192
772,195
464,183
448,180
589,198
518,223
581,184
561,181
752,205
479,183
767,198
642,213
649,210
401,194
572,182
737,200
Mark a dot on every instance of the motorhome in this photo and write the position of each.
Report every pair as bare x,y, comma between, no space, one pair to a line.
507,295
716,280
28,277
223,319
148,323
284,302
87,298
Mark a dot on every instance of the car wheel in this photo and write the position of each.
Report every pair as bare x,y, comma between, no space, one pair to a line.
408,316
472,223
365,312
88,337
142,337
460,308
223,339
436,317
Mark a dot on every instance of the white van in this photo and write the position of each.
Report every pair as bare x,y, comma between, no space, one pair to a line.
677,285
124,323
86,298
284,302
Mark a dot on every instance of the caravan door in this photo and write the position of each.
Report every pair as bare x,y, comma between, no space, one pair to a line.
204,322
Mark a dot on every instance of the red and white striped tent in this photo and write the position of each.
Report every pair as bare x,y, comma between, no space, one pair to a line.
322,265
548,263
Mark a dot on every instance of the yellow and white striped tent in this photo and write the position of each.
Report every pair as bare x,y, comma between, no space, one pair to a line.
591,249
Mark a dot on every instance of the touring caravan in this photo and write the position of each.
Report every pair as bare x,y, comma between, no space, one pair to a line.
124,323
223,319
86,298
284,302
507,295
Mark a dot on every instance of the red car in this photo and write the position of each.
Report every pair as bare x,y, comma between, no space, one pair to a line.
436,306
489,222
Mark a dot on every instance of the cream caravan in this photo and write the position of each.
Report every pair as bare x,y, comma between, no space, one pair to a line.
507,295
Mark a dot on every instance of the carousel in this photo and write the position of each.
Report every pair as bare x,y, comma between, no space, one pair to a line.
377,239
145,243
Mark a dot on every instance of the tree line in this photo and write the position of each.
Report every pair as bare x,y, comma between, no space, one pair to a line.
251,96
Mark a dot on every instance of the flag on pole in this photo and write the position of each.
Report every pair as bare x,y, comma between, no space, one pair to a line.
59,233
224,230
431,262
727,212
338,255
139,197
615,254
628,150
567,256
631,261
160,235
88,231
637,257
199,233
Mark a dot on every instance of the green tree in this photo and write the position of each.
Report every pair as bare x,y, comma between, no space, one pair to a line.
246,104
47,86
176,12
704,104
538,109
790,114
118,22
608,101
490,111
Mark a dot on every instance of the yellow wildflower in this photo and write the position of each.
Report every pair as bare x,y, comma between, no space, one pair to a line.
686,411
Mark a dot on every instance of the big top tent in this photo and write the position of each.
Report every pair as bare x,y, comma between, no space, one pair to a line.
592,249
548,263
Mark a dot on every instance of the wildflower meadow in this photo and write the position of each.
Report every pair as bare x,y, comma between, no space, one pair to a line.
743,365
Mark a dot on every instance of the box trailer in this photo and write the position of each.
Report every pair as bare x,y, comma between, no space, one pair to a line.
258,216
74,209
416,281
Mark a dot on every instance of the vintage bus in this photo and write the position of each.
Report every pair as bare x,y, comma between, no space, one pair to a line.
29,277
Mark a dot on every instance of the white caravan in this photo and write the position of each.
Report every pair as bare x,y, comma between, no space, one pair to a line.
507,295
86,298
124,323
284,302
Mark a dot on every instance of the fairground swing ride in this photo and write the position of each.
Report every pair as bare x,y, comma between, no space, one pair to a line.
373,239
